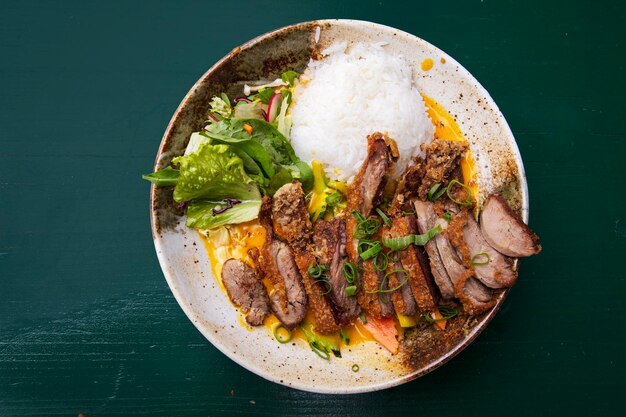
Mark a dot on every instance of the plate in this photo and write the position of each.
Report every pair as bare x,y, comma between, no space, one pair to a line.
184,259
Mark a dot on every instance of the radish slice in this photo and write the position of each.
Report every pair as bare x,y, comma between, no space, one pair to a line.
272,108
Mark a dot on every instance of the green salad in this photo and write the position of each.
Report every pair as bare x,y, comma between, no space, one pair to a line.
242,154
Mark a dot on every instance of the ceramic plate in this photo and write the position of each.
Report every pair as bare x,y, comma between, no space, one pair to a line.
184,259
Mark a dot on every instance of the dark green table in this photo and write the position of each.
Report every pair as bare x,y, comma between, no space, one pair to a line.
87,322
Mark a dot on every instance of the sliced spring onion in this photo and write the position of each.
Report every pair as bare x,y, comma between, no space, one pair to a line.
319,352
436,191
355,368
371,252
316,270
350,272
382,283
480,259
401,243
468,201
380,261
350,290
343,335
324,280
408,213
334,199
283,336
447,216
383,216
358,216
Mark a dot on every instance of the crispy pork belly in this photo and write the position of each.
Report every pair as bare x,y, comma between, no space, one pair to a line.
290,218
442,159
330,240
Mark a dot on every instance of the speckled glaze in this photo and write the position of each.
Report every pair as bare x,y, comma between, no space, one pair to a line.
184,259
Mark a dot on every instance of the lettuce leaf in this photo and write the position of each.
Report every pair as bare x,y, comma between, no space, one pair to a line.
164,177
273,155
210,175
200,213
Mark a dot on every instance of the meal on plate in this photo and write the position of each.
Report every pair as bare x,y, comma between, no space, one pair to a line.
340,205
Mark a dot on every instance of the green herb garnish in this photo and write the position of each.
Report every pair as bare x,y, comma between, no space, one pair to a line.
383,216
401,243
350,272
482,258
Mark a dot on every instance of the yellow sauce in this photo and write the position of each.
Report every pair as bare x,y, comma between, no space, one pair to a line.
447,128
246,236
427,64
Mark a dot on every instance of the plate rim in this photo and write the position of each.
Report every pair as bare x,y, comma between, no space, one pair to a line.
251,366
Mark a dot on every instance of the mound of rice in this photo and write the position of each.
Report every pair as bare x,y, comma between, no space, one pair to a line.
350,94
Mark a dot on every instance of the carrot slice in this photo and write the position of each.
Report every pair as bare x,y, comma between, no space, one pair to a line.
247,128
385,332
436,315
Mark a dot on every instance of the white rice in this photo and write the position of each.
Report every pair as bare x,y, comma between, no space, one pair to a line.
350,94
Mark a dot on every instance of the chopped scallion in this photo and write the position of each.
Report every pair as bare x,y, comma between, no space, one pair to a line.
350,272
468,200
383,216
401,243
371,252
350,290
480,259
283,336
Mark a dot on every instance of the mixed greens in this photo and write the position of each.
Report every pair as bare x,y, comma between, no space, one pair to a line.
242,154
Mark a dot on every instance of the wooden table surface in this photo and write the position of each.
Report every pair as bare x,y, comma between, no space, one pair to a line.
87,322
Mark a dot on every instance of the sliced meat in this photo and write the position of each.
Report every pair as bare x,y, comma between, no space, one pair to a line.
330,241
475,297
497,272
426,219
403,300
505,231
245,290
369,182
407,187
363,195
317,291
442,158
451,259
290,219
372,297
420,285
286,266
278,264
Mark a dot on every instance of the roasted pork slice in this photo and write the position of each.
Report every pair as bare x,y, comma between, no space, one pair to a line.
505,231
330,240
474,295
442,159
403,300
317,291
290,218
293,313
426,219
373,296
419,280
245,290
369,182
491,267
364,194
277,262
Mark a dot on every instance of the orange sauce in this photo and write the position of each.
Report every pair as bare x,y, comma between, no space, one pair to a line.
242,237
427,64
